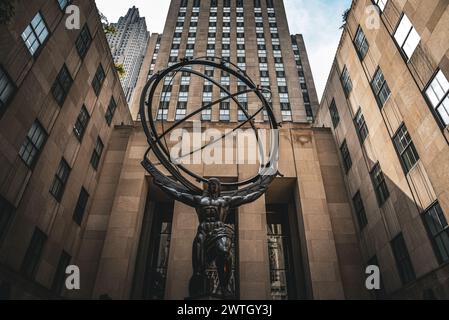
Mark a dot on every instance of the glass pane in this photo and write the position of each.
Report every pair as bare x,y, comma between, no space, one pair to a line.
404,28
411,43
443,111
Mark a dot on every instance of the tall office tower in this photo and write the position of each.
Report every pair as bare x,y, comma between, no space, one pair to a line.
128,46
60,99
297,241
387,104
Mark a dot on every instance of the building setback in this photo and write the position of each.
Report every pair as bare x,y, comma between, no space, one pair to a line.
387,103
128,46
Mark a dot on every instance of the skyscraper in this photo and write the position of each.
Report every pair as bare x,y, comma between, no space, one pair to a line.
296,242
128,45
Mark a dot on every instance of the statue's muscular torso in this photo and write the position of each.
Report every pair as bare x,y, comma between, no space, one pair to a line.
212,209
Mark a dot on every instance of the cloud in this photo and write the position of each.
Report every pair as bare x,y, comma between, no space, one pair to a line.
319,21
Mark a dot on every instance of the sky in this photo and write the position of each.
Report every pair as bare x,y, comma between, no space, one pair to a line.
318,20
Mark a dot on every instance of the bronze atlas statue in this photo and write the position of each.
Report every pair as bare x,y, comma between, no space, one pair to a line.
213,241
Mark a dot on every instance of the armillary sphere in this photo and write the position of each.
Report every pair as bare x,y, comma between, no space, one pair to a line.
178,178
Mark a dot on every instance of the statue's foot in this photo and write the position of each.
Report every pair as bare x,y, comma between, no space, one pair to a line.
199,285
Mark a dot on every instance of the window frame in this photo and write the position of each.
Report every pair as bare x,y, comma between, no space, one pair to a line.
359,46
60,84
397,242
346,81
360,211
68,2
361,126
434,235
82,46
33,255
434,109
346,156
382,87
401,47
97,154
83,125
4,104
42,44
95,80
81,206
7,211
334,114
62,181
110,111
380,185
38,150
410,146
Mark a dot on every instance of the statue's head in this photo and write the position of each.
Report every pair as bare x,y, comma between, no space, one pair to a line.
214,187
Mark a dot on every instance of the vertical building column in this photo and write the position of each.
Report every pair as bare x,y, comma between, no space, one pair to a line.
116,269
185,224
323,264
254,276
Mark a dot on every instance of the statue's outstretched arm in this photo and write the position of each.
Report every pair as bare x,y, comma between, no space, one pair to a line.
183,197
239,200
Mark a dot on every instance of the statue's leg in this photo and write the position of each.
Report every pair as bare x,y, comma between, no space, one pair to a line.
198,254
224,263
198,283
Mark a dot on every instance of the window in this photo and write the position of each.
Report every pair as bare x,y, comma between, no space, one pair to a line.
181,111
381,4
438,229
380,185
360,125
280,253
162,112
63,3
81,205
224,111
360,210
407,37
96,155
33,254
206,115
7,89
347,161
346,81
380,88
406,149
438,95
81,123
34,143
403,262
110,111
60,180
60,275
334,114
361,43
83,41
6,212
98,80
35,34
62,85
157,261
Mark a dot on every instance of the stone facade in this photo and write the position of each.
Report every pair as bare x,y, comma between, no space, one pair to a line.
26,188
413,191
